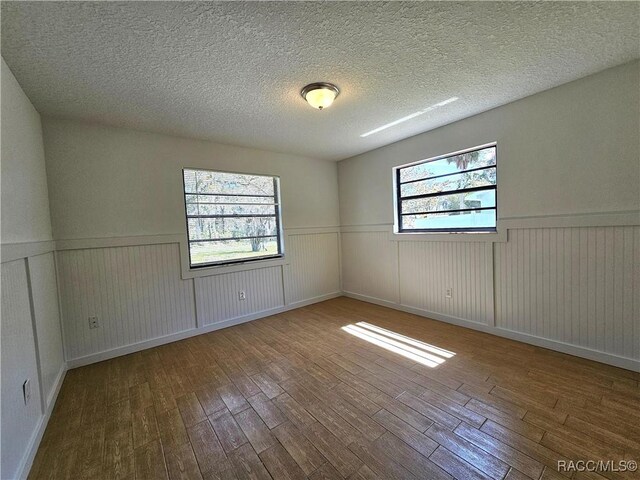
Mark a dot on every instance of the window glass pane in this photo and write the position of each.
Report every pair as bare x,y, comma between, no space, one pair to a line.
456,163
444,221
215,199
221,251
236,209
203,181
214,228
455,201
459,181
241,208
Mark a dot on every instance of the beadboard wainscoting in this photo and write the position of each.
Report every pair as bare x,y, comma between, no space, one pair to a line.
141,300
314,266
31,350
579,286
19,362
46,316
427,269
576,290
217,296
136,292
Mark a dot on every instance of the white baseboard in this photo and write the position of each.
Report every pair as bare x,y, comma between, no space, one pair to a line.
174,337
57,384
312,300
36,438
131,348
570,349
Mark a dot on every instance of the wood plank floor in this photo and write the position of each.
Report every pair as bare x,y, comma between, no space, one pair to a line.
296,396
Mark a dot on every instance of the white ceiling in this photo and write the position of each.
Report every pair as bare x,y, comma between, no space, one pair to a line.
232,72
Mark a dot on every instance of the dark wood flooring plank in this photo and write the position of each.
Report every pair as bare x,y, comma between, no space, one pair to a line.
210,399
430,411
140,396
376,460
365,473
227,430
294,411
118,460
328,472
269,413
403,412
255,430
280,464
409,458
164,400
299,447
247,465
405,432
245,385
521,462
145,428
468,452
207,448
149,461
190,409
182,464
357,399
332,449
523,444
267,384
455,466
232,398
173,432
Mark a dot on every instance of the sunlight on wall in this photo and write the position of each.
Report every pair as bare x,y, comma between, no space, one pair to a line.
408,347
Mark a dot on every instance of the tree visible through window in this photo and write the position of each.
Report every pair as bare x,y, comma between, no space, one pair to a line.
450,193
231,217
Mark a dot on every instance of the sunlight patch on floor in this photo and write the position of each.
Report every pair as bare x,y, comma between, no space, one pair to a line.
409,340
421,352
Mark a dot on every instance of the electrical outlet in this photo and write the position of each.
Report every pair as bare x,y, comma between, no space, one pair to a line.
93,322
26,391
242,295
448,292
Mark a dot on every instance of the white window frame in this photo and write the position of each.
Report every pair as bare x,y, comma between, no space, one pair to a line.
496,234
228,266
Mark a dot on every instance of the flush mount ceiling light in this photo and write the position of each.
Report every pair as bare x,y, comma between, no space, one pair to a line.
320,95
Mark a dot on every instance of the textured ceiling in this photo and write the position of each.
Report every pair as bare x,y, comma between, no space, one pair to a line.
232,72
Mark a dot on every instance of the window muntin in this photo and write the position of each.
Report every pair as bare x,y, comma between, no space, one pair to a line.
231,217
451,193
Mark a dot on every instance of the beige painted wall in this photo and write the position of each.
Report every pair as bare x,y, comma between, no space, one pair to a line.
562,277
112,182
25,205
570,150
31,343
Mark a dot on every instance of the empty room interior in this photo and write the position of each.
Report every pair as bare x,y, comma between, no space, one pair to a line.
323,240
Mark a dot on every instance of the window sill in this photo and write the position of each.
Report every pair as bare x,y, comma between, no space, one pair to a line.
488,237
213,270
